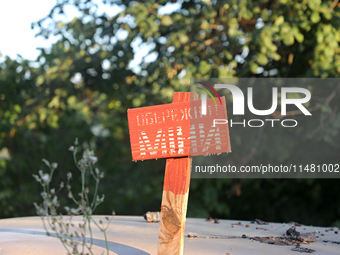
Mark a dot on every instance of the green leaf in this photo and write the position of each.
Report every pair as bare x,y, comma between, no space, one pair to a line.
17,108
39,81
166,20
315,18
36,177
183,38
299,37
46,162
279,20
204,67
313,4
253,67
327,15
262,59
288,39
276,56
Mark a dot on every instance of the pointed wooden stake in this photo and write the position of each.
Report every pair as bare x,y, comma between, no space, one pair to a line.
174,206
175,197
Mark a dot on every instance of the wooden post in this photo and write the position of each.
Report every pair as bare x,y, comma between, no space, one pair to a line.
175,198
174,206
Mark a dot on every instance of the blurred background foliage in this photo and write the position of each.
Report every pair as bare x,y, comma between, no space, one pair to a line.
83,85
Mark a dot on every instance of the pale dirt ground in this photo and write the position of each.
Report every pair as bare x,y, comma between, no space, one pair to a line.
133,235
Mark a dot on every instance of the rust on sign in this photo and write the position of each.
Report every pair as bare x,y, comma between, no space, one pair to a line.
177,130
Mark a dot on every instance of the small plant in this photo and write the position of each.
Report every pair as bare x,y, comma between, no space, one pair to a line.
73,237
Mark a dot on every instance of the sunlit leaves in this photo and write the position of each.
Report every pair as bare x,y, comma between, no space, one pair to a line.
315,17
166,20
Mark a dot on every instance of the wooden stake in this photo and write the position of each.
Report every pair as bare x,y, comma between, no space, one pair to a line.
175,197
174,206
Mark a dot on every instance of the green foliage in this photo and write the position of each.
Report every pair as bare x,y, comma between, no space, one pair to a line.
84,86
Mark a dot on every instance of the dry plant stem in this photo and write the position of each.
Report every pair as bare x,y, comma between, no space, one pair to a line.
95,190
84,238
70,235
90,230
60,238
85,215
103,230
